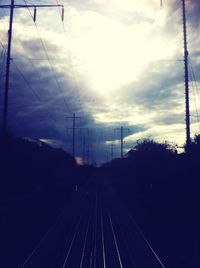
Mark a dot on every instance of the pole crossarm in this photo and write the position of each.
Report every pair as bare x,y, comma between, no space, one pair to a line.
30,6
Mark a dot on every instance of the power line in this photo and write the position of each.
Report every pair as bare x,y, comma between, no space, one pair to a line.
11,7
73,132
32,90
3,56
74,72
50,62
193,81
48,59
27,82
194,77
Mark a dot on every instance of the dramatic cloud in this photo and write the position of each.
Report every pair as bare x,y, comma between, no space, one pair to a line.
114,63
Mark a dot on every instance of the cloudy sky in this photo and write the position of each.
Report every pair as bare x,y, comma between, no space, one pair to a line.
114,63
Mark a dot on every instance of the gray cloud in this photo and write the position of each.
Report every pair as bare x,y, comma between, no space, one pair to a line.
193,12
157,88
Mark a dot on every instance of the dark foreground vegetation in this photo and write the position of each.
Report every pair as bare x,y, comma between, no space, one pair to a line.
162,190
160,187
36,183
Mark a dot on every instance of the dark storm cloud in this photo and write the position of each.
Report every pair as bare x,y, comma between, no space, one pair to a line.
34,48
37,84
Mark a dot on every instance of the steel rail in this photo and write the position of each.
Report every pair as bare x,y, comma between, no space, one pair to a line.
86,237
74,236
48,234
142,234
95,232
122,232
114,234
103,240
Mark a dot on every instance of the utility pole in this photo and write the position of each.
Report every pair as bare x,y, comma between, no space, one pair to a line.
84,145
122,129
5,108
12,6
73,139
107,156
112,151
186,74
122,142
84,151
187,106
88,155
74,117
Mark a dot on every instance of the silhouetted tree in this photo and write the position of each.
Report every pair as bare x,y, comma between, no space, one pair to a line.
149,147
195,145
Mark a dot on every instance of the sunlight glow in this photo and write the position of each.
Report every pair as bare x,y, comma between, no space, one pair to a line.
112,53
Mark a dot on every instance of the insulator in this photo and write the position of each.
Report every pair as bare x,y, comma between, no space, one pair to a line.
34,15
63,13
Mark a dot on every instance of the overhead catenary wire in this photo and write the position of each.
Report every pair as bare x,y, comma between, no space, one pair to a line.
2,67
49,61
75,73
53,100
193,82
2,58
36,96
52,69
194,78
2,50
26,81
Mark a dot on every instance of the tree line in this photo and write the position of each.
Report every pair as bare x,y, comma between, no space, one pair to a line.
162,189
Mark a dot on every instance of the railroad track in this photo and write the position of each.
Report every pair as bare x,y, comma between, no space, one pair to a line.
94,231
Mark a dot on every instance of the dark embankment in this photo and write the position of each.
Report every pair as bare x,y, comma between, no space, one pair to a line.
162,190
36,183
